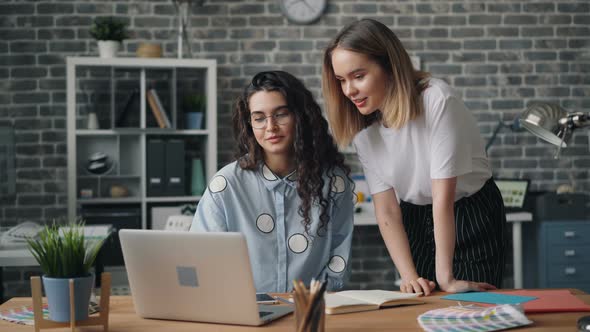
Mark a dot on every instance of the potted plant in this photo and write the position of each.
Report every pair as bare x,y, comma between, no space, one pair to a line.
63,254
195,106
109,32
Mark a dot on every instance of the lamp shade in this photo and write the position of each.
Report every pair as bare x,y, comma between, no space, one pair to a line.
542,119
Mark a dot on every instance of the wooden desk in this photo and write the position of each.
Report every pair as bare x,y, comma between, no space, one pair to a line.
123,318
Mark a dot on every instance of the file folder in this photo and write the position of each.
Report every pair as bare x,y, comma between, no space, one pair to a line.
175,170
156,150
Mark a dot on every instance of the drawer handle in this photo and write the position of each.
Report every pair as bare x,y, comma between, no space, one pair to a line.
569,234
570,271
569,253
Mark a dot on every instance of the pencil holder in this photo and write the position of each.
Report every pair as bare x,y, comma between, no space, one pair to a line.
310,308
317,319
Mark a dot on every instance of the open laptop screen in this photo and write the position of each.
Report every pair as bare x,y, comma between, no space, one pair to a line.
513,192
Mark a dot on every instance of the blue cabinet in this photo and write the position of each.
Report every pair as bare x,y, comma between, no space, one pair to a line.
564,254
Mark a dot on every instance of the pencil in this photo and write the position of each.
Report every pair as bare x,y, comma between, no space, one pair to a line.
315,299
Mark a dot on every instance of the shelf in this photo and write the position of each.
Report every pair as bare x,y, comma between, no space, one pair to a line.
109,200
142,62
172,199
106,132
115,90
175,132
109,177
137,131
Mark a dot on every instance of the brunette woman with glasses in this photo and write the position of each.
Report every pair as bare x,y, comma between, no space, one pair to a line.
289,190
439,211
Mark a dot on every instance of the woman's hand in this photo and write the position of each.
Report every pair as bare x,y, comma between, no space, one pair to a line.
417,285
460,286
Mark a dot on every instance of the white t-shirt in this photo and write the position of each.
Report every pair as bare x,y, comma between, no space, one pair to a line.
443,142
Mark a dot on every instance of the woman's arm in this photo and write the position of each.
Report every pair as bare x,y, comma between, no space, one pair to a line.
209,216
443,201
337,268
389,219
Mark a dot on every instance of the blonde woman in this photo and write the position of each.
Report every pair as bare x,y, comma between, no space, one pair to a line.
438,209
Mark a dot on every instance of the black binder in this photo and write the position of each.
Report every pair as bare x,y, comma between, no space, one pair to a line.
128,116
175,174
156,170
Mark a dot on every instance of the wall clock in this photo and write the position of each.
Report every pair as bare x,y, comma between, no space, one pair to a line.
303,11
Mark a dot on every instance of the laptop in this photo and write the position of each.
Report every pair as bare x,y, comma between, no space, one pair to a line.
514,193
201,277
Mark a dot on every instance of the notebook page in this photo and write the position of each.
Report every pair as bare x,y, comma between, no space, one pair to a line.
335,300
376,296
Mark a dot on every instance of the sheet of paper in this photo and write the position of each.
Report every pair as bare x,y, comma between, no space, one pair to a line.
489,297
25,315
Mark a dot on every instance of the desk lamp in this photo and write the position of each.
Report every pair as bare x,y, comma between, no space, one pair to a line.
552,123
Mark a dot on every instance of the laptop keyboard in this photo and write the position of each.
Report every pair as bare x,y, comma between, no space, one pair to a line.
264,313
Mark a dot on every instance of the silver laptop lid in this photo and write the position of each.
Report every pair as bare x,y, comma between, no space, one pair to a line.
203,277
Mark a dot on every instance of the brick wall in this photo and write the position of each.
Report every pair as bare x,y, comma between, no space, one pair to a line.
499,55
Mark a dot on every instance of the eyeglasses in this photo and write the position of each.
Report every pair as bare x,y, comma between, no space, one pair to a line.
259,120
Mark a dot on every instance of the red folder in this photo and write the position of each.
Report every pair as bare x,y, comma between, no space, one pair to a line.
550,301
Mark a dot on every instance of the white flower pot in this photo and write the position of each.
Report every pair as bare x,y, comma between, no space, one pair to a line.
108,48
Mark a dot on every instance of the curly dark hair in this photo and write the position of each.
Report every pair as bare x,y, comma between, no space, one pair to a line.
315,152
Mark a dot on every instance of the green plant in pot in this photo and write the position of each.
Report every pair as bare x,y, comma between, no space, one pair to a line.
109,32
195,106
64,254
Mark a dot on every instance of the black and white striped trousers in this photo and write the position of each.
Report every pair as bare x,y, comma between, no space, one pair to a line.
480,222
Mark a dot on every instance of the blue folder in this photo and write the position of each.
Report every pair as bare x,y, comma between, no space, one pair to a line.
488,297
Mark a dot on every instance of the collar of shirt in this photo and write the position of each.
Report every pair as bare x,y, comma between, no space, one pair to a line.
271,180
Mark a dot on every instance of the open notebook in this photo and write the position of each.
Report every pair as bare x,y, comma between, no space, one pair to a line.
365,300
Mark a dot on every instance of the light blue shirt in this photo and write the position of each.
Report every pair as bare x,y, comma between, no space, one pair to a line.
264,207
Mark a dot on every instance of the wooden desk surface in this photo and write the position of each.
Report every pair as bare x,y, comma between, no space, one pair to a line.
123,318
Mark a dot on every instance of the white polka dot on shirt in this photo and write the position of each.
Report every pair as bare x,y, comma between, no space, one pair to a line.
337,264
265,223
338,185
297,243
219,183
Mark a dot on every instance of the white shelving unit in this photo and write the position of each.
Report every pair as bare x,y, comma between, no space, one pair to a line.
107,82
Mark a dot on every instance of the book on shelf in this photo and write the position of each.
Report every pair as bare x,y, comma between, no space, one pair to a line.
158,109
154,107
366,300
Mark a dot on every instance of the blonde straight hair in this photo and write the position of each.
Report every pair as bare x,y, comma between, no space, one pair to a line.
404,84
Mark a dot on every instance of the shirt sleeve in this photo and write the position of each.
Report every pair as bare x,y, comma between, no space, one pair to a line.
450,146
337,269
210,215
376,185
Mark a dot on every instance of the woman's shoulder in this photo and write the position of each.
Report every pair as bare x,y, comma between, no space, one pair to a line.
364,136
231,175
438,89
339,178
336,171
